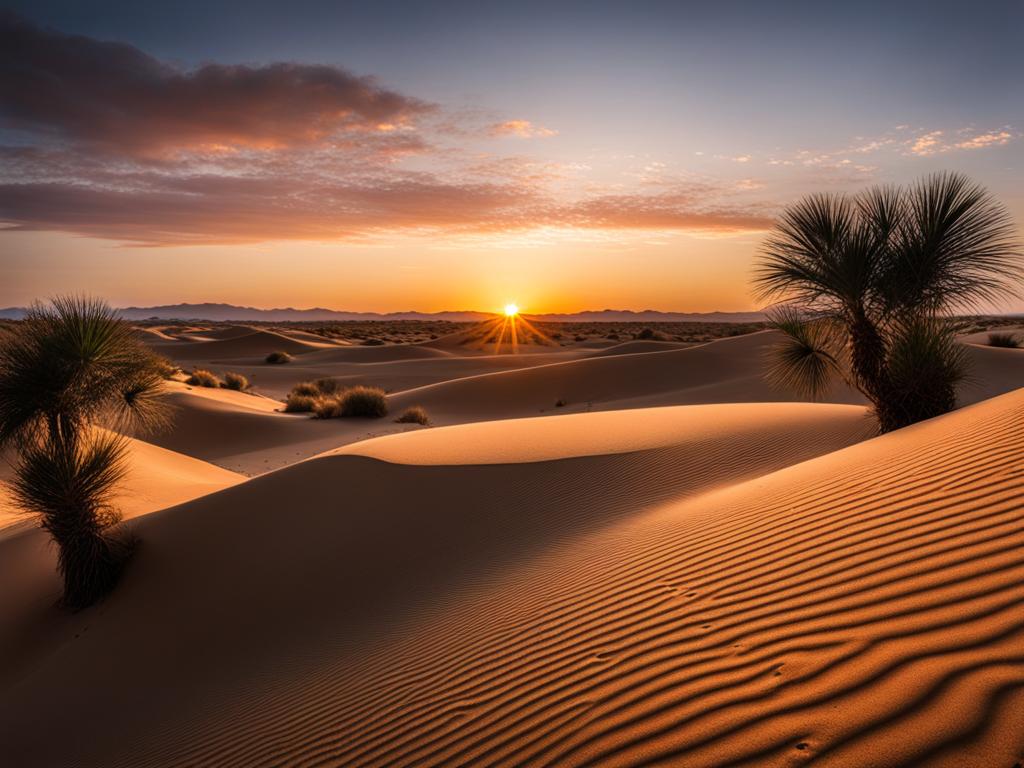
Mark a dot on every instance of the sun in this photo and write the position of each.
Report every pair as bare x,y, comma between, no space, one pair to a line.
511,310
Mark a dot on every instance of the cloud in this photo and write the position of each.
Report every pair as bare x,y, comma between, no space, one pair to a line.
123,147
524,129
933,143
927,144
114,96
985,140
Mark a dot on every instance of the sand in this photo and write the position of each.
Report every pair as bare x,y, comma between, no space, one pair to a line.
763,594
673,567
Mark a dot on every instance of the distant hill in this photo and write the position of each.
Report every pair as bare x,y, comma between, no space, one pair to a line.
233,313
649,316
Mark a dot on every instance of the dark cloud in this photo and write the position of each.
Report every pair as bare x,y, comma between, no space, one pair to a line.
130,149
115,96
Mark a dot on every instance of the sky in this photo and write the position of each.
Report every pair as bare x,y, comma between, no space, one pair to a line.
441,156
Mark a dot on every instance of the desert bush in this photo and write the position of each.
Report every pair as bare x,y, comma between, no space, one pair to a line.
328,386
203,378
306,389
327,408
580,337
372,342
235,381
560,403
74,366
278,358
300,403
612,337
356,402
414,415
1004,340
646,334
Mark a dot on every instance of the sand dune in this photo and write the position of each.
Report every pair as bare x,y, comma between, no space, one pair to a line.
253,343
728,370
298,533
247,433
695,602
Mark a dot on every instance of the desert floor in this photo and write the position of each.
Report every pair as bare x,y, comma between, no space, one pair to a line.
608,552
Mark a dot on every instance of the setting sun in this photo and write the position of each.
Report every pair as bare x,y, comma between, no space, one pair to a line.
511,310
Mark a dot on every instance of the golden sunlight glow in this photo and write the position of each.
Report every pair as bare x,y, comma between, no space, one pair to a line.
511,310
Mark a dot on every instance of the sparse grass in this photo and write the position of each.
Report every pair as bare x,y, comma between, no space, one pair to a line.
200,377
300,403
1008,340
235,381
414,415
278,358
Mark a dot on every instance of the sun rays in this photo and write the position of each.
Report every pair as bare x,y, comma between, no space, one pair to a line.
508,331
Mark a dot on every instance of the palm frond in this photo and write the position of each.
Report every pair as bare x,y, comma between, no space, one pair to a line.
809,357
956,248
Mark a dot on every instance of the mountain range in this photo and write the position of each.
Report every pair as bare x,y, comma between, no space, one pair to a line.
231,312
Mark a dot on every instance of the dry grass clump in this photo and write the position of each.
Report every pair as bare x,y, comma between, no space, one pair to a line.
327,398
414,415
235,381
165,367
1007,340
300,403
278,358
356,402
203,378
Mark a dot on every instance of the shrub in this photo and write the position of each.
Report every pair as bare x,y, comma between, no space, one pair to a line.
74,366
369,402
305,389
328,386
278,358
414,415
202,378
612,336
560,403
646,333
235,381
327,408
1003,340
300,403
580,337
372,343
357,402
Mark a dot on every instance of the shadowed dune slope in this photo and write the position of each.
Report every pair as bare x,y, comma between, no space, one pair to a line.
678,604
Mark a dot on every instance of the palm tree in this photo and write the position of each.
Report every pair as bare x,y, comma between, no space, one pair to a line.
869,285
73,376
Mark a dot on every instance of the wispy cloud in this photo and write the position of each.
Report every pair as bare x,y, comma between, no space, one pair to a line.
522,129
935,143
